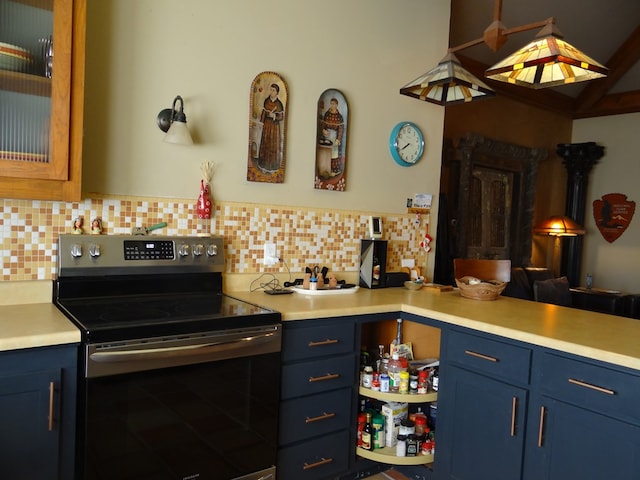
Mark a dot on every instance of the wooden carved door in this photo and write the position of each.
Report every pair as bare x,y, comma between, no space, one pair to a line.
489,221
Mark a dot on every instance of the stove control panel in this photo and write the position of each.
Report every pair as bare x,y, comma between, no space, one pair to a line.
127,254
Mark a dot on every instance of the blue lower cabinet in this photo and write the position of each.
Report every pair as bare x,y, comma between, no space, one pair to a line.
481,427
573,442
319,458
37,413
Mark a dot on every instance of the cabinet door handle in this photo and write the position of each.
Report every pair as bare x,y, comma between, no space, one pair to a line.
541,426
328,376
580,383
514,409
480,355
323,342
323,461
324,416
52,391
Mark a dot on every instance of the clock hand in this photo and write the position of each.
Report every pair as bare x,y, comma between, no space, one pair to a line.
405,146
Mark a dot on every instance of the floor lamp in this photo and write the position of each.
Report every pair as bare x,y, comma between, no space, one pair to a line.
557,227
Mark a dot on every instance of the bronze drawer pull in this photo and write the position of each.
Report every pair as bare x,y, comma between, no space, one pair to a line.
52,391
328,376
480,355
324,416
541,426
323,342
514,408
592,387
324,461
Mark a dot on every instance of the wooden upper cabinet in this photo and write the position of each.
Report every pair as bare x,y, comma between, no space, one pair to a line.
41,108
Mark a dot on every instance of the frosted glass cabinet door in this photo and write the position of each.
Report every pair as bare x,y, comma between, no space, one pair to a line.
36,60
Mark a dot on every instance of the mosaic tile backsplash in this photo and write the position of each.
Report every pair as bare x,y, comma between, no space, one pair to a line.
303,236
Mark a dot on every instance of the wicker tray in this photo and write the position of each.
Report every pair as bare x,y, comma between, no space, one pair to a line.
485,290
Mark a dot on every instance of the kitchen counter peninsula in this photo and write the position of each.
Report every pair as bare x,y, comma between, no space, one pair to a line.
592,335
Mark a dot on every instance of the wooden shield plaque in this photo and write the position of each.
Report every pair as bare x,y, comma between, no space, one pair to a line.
613,214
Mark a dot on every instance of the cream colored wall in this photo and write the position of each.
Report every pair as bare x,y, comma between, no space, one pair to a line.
142,53
613,265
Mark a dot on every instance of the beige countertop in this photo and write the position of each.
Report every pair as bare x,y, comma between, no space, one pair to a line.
593,335
34,325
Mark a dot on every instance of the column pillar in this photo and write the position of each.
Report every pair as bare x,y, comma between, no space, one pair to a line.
578,158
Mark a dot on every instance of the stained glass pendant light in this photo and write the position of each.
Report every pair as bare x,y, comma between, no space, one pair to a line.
447,83
547,61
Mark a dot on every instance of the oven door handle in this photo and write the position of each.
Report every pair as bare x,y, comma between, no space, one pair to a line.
180,351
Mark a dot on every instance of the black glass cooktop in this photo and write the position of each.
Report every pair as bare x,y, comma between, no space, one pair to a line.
123,318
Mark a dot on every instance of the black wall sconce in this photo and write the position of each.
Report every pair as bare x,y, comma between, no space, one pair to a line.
174,123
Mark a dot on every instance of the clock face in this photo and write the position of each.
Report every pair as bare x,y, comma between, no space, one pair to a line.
406,144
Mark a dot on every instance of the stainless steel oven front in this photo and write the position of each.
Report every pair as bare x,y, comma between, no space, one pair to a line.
185,407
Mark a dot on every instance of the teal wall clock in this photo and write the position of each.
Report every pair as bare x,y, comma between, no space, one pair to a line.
406,144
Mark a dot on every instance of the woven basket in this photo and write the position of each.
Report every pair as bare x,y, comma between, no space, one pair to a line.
485,290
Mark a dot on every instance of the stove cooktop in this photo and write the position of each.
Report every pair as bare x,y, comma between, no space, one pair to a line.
125,318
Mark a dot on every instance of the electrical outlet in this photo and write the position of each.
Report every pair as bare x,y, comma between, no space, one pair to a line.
270,254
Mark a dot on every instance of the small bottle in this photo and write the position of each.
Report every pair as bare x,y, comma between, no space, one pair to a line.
398,339
313,283
413,382
412,445
368,433
384,382
362,420
423,381
378,429
401,446
395,367
404,382
435,379
367,377
380,359
589,281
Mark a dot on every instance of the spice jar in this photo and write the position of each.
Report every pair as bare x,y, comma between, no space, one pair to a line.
423,381
404,382
384,382
413,382
412,445
401,446
367,377
407,427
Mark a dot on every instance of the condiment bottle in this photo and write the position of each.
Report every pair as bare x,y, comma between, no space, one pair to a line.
368,433
367,377
404,382
395,367
401,446
423,381
413,382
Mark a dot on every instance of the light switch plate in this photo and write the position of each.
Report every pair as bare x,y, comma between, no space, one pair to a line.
270,254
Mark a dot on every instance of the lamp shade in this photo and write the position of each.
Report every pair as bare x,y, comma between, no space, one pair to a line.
547,61
559,226
178,133
447,83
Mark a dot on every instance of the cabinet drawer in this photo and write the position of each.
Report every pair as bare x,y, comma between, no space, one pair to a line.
495,358
596,387
318,376
316,459
299,343
308,417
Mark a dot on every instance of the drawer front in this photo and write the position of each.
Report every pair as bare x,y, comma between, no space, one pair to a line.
307,417
596,387
320,458
318,376
299,343
495,358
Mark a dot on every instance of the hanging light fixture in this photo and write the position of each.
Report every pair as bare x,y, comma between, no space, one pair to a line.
174,123
448,83
546,62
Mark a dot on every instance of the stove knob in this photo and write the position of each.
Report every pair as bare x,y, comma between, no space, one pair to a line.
76,250
198,249
183,250
94,250
212,250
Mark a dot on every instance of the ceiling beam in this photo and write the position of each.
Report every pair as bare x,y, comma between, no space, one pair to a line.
619,64
612,104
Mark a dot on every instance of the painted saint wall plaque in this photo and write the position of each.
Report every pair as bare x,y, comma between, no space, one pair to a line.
331,141
613,214
267,128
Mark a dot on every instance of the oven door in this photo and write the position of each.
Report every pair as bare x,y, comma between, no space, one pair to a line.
202,407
